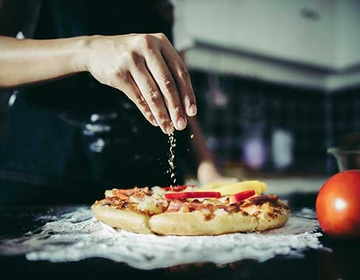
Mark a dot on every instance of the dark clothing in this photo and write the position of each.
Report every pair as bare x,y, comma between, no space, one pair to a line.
75,136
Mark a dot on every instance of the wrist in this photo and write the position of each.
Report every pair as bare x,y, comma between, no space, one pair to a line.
82,53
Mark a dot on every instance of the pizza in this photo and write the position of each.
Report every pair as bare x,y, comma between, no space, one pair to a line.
191,210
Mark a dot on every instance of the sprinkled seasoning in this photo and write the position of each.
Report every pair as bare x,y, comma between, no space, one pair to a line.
171,160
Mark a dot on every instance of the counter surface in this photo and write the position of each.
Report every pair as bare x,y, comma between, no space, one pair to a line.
336,260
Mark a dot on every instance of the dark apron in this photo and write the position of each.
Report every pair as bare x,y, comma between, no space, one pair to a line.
71,139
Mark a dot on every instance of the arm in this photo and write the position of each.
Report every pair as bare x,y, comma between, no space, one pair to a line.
29,61
143,66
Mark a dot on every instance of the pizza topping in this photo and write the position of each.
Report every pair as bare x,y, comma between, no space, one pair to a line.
138,196
233,188
112,200
241,196
184,195
209,210
174,206
185,207
150,205
261,199
109,193
158,192
126,193
116,202
118,194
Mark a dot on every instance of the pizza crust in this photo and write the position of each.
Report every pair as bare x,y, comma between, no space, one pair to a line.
128,220
272,216
194,223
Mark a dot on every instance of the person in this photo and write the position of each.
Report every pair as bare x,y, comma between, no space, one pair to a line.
99,91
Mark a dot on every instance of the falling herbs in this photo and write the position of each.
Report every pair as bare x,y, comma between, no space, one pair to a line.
171,160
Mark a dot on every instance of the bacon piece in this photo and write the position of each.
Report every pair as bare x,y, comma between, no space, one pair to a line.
179,205
261,199
130,192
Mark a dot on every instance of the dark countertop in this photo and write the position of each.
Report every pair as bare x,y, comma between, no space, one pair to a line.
337,260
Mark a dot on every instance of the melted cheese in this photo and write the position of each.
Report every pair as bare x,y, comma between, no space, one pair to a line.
148,204
232,188
109,193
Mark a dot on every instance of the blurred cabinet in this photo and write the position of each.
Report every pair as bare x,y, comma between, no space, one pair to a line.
310,42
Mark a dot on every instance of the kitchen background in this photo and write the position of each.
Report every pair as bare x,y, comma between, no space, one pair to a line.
278,82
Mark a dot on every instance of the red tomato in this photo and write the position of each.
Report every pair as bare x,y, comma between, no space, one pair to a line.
338,204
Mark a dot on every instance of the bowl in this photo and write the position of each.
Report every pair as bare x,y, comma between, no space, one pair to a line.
347,157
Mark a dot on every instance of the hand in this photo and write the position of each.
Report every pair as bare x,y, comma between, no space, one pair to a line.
149,71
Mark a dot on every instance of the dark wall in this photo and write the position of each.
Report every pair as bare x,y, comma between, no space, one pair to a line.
267,127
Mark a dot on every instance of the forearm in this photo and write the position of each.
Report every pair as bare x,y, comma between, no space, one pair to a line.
30,61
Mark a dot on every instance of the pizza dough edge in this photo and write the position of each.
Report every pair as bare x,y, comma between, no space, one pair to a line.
123,219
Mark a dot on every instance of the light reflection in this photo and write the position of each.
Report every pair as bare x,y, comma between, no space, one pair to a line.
340,204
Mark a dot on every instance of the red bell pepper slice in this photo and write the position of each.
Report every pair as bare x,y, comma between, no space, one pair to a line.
181,195
177,188
241,196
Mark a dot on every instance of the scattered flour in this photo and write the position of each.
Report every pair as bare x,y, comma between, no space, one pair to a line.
77,235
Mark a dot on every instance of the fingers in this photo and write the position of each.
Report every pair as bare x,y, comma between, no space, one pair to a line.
151,94
166,84
135,96
156,80
181,77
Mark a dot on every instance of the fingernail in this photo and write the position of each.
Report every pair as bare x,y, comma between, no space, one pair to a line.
193,110
154,122
180,124
170,129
